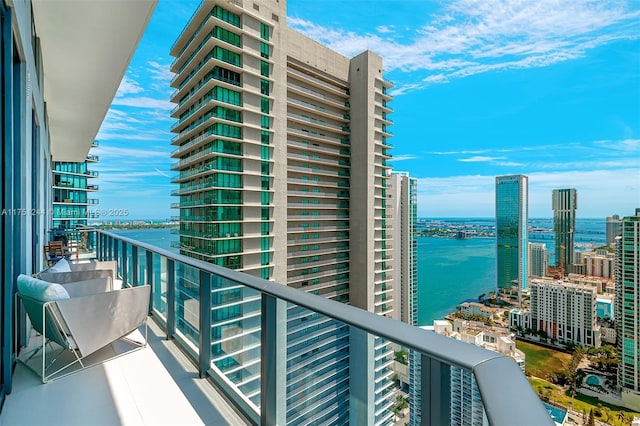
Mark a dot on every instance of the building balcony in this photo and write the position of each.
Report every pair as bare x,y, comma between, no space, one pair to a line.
170,381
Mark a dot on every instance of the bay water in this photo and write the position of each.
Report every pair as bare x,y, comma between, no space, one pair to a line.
450,271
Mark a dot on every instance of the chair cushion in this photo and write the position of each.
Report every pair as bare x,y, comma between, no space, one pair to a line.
40,290
61,266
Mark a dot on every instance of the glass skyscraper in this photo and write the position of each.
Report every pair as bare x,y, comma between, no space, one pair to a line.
627,309
281,149
564,203
511,230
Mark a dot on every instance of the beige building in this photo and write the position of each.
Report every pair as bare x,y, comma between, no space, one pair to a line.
281,153
402,216
475,308
596,264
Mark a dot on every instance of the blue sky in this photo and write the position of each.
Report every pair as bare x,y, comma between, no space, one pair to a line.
483,88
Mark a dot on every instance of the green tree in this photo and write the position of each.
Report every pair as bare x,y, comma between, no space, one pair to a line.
400,405
622,417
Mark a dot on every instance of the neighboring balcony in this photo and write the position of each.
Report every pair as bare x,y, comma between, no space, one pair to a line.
243,352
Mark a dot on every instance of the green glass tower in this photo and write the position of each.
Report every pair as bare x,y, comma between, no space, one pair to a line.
627,310
511,230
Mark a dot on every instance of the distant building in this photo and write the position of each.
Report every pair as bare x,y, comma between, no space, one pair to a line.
627,311
466,403
614,228
511,231
602,285
476,309
72,199
564,203
597,264
402,204
72,189
538,259
608,335
461,235
402,193
566,312
605,307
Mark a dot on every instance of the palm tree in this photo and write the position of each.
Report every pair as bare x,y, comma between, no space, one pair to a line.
622,417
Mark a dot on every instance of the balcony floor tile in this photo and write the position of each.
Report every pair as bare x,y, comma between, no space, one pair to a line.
156,385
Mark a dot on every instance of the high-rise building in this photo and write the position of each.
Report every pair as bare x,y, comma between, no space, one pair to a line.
281,148
72,191
598,263
627,310
538,259
566,312
564,203
402,210
614,228
512,203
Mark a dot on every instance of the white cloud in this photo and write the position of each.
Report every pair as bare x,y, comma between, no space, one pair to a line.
128,153
160,71
480,159
385,29
160,172
403,157
475,36
144,102
509,164
128,86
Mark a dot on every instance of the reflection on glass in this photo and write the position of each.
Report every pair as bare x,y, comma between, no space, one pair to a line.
188,302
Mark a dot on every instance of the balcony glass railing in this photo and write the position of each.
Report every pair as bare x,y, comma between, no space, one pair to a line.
265,340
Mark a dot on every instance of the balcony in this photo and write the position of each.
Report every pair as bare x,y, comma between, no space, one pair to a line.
169,381
156,385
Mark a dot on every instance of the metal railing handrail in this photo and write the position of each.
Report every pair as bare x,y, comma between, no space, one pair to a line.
502,398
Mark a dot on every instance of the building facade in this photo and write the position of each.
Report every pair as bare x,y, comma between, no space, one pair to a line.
511,231
538,259
402,210
627,310
598,263
565,312
73,193
281,153
564,203
614,228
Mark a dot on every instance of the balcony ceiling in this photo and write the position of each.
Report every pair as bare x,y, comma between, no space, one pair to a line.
86,48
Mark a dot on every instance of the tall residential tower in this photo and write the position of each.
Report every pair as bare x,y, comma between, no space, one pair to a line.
627,311
564,203
282,149
614,227
402,211
72,190
512,203
538,259
403,204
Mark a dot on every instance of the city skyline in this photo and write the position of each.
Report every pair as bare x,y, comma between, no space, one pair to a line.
554,101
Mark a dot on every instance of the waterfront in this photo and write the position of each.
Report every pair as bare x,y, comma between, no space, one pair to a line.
450,271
